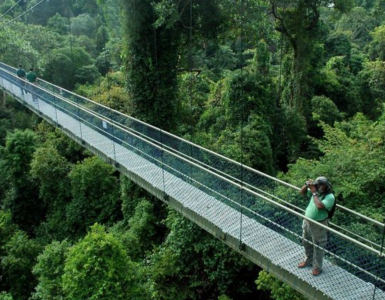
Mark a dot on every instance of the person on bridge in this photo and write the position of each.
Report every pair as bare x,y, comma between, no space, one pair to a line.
314,237
32,78
21,74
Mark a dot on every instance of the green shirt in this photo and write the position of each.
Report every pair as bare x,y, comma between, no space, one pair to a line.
316,214
31,77
20,73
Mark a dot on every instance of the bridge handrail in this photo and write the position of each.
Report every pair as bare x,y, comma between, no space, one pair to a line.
238,186
343,208
128,129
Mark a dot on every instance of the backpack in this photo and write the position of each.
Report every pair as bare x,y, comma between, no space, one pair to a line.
333,209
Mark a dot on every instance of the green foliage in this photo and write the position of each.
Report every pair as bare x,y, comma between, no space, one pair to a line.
353,156
98,268
49,270
18,152
289,136
109,91
83,24
325,110
5,296
339,84
94,190
338,43
223,297
66,147
7,230
143,225
376,47
251,145
131,195
58,24
372,87
51,170
5,6
23,200
358,23
193,92
151,63
277,289
17,264
193,265
45,12
66,65
13,43
102,38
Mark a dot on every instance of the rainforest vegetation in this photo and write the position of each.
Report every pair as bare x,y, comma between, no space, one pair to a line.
293,88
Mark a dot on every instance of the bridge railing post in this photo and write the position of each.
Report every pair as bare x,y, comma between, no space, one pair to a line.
79,117
112,134
55,107
381,255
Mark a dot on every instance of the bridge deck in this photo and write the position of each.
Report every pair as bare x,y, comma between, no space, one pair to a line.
333,283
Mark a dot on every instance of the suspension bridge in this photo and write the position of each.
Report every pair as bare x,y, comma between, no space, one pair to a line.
255,214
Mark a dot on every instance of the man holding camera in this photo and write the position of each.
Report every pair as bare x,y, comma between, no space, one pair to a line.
314,237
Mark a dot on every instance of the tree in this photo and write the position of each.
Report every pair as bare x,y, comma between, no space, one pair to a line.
44,12
83,24
5,296
51,171
94,190
14,43
58,24
99,268
17,263
7,230
352,153
299,22
23,200
49,270
340,85
5,6
102,38
372,88
277,289
376,47
358,23
191,264
67,65
151,65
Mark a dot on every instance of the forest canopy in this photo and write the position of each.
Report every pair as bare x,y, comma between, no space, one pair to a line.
294,89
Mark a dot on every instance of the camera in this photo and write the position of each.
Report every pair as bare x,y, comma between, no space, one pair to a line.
309,183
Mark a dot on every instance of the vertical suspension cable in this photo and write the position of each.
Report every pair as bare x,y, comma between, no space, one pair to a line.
73,70
190,63
280,63
157,93
241,15
381,253
111,113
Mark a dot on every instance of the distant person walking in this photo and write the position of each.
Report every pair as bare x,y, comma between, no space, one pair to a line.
32,78
314,237
21,74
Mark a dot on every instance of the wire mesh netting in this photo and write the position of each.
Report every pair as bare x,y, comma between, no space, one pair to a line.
262,212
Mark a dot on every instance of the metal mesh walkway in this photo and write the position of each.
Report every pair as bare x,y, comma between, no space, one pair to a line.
258,216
